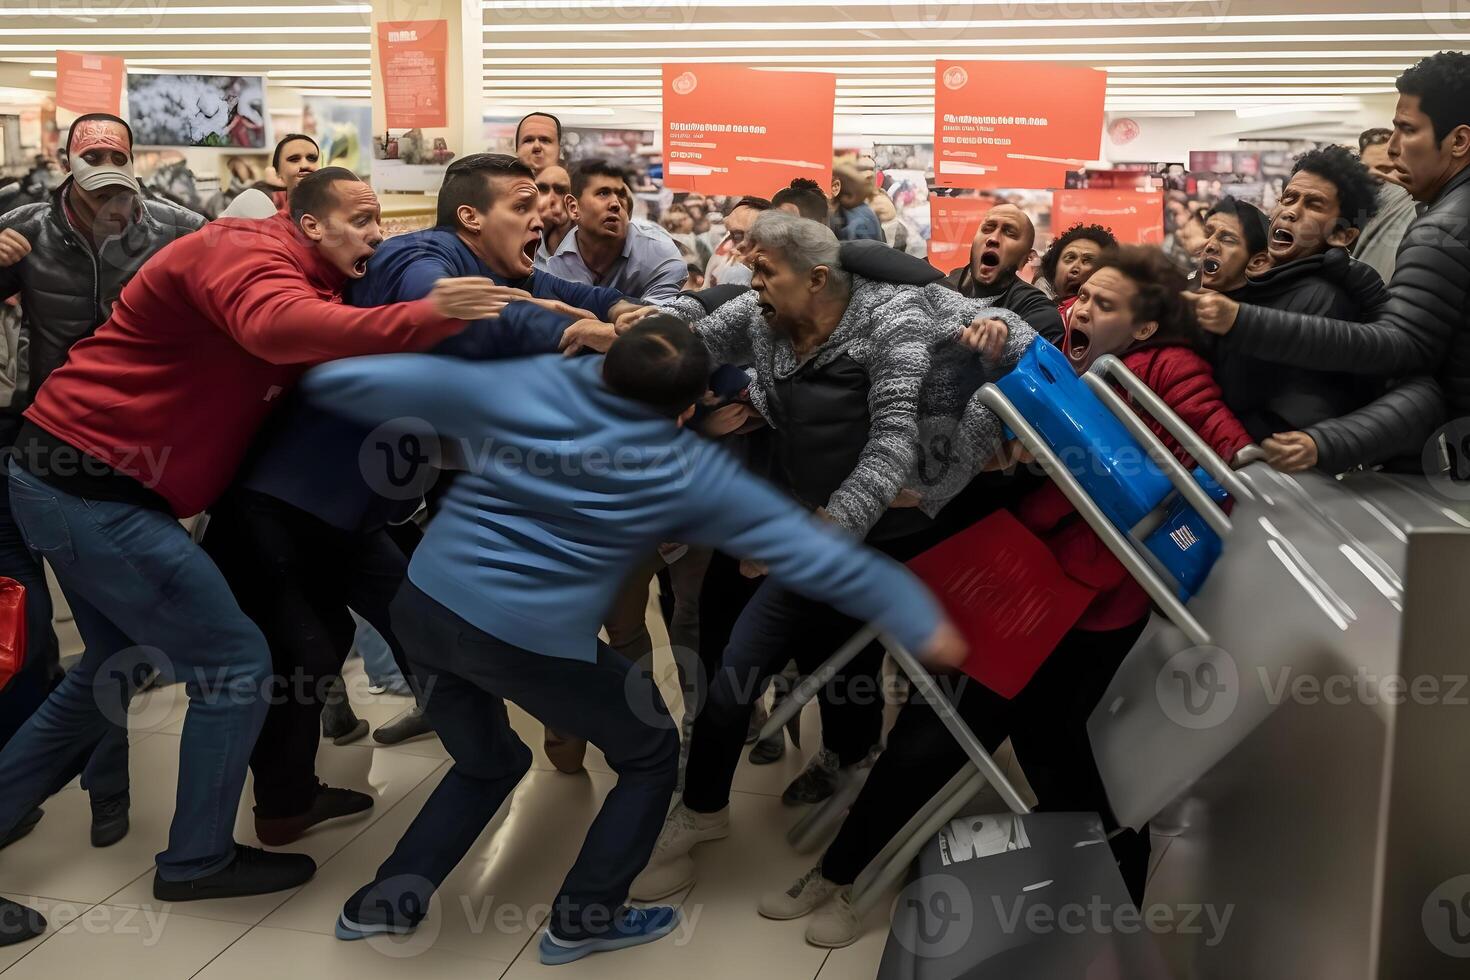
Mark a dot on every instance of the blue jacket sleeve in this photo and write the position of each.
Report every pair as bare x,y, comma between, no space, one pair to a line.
743,515
445,392
596,299
520,330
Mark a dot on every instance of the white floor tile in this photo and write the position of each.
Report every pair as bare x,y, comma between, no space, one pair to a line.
58,913
117,942
326,957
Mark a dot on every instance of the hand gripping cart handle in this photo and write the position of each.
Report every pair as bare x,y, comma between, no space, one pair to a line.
1165,511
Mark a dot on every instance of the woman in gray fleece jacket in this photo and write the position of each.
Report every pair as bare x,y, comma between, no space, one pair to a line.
817,339
851,373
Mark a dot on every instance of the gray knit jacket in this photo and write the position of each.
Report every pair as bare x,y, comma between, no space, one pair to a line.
927,431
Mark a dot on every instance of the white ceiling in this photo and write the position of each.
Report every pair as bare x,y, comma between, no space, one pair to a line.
597,61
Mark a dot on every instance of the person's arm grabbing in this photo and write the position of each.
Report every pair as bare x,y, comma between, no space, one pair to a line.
448,393
744,516
1427,299
1398,423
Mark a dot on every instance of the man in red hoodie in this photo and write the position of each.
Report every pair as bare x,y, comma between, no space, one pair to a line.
145,424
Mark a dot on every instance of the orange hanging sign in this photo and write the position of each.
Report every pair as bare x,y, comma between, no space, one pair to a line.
953,222
1014,123
413,55
1135,217
735,130
89,82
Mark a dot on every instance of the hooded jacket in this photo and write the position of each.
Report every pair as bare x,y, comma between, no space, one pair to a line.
1270,398
1423,328
67,288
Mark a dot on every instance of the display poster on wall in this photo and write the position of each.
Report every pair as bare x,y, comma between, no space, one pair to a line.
413,55
1014,123
735,130
1135,217
89,82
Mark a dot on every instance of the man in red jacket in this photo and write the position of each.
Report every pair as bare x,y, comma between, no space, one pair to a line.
145,424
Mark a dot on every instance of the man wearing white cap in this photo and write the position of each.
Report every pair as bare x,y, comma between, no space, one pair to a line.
68,258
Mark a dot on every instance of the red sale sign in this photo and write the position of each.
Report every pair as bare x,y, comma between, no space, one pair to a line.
412,54
88,82
1014,123
1135,217
735,130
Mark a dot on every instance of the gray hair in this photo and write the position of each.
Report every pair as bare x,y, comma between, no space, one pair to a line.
802,242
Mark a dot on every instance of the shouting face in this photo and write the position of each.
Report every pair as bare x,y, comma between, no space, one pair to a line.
1002,245
1307,220
1102,320
348,233
507,233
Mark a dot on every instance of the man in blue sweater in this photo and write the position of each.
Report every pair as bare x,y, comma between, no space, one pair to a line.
303,536
591,467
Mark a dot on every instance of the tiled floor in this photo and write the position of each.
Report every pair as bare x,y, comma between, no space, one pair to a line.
484,923
104,920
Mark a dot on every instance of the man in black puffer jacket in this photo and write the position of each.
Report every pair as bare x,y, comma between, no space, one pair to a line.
1424,326
69,257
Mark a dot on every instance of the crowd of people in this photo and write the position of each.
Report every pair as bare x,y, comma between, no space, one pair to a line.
742,421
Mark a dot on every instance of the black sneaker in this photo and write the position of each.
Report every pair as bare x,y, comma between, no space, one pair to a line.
26,825
768,750
410,724
252,872
19,923
330,803
816,782
110,819
371,912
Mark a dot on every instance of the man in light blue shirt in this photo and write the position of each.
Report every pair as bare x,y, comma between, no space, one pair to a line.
575,470
606,248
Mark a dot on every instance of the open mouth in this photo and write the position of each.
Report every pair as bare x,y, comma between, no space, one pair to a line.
1282,237
1076,345
990,258
1210,265
359,268
767,310
530,247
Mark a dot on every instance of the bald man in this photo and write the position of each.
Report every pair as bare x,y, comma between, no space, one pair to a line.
1004,244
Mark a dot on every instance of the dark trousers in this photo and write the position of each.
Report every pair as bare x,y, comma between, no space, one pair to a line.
296,576
468,675
1047,725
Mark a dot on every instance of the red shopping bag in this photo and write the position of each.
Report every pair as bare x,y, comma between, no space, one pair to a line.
1006,593
12,629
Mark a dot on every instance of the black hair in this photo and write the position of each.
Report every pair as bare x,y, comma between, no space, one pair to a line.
751,201
1442,83
471,180
1160,292
1254,225
314,194
281,145
807,195
1092,233
659,362
1357,191
1373,137
102,116
584,170
544,115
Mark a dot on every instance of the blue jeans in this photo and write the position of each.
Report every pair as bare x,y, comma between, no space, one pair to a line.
142,594
106,766
465,674
377,658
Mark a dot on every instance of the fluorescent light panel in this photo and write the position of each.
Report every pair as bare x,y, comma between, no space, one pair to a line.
766,60
1012,24
995,42
176,31
75,10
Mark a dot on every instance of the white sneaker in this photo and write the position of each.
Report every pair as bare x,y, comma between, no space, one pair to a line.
808,892
670,869
835,924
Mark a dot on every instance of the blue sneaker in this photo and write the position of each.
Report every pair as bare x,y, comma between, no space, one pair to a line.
367,913
636,927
